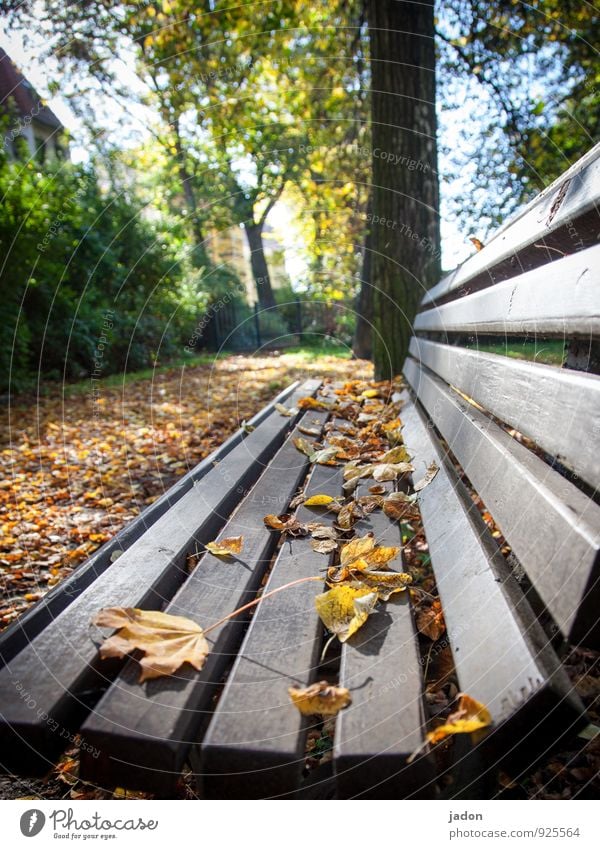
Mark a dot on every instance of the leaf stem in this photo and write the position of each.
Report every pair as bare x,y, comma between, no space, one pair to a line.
261,598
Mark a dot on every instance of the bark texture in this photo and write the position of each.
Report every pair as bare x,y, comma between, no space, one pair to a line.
405,223
260,269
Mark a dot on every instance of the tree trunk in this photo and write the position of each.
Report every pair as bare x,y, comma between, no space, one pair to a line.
405,223
362,344
189,194
260,269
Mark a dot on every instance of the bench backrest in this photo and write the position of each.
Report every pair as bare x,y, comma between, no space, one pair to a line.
525,434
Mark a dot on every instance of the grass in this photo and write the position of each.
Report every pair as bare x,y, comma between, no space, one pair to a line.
304,353
550,352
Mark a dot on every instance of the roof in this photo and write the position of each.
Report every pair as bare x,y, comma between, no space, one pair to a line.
28,102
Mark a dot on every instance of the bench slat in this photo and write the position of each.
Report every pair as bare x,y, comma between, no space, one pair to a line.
254,746
35,619
553,528
143,732
558,408
554,217
561,299
60,669
501,655
384,725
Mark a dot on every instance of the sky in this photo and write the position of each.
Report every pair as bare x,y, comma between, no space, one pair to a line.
128,125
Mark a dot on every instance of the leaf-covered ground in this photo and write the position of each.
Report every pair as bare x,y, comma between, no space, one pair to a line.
76,468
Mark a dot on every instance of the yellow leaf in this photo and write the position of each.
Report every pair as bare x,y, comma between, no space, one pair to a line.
304,446
399,454
344,609
321,698
357,548
381,555
167,641
383,583
225,547
470,716
319,501
370,393
273,522
310,404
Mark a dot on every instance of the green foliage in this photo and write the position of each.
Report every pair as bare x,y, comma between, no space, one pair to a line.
90,286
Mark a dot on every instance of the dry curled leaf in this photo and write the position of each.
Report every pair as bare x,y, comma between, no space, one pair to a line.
470,716
304,446
323,546
398,506
321,698
430,621
283,411
357,548
396,455
319,500
309,431
382,554
432,470
383,583
324,457
390,471
167,641
226,547
344,609
309,403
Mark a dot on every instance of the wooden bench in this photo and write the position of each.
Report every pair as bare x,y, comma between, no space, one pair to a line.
523,436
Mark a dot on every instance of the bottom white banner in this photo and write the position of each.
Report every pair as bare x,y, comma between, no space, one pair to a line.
37,823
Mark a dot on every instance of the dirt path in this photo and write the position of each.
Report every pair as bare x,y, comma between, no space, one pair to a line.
75,469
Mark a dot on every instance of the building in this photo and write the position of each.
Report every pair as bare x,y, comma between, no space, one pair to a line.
29,117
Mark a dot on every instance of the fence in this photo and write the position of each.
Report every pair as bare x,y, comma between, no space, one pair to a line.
237,327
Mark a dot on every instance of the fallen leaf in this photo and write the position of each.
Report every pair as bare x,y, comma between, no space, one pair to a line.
355,549
382,554
377,489
323,546
396,455
274,522
383,583
430,621
248,428
319,531
432,470
304,446
390,471
309,431
311,404
324,456
399,505
226,547
470,716
319,500
477,242
344,609
322,698
283,411
167,641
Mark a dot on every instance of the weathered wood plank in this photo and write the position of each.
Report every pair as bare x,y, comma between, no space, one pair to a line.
557,218
558,408
254,746
561,299
383,726
34,620
501,655
60,669
553,528
143,732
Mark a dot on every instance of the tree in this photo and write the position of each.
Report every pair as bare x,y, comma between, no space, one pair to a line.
405,223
